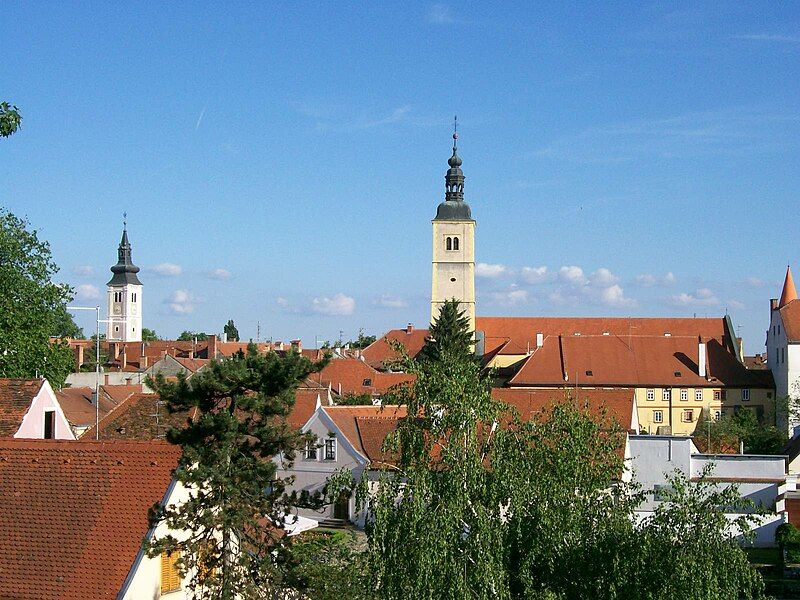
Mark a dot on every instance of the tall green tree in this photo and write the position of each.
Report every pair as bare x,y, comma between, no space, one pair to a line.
448,333
231,331
32,306
237,503
483,504
10,119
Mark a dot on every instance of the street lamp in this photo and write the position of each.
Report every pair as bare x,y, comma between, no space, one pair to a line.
96,362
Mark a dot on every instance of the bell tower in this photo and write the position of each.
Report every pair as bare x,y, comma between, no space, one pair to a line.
124,296
454,244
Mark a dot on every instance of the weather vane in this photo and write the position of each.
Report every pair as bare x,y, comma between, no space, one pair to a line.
455,127
125,220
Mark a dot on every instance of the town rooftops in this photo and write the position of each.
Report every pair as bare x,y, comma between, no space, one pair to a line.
16,396
75,513
380,352
354,376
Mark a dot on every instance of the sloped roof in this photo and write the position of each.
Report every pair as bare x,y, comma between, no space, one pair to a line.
789,292
192,364
305,403
519,333
75,513
528,402
379,352
16,396
78,407
790,316
140,417
347,419
617,361
357,377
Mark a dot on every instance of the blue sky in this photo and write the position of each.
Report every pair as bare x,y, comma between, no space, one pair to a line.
280,164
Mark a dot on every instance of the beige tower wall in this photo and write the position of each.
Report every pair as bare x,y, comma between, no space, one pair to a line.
454,270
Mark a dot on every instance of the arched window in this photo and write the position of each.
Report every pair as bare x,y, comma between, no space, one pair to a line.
449,243
455,243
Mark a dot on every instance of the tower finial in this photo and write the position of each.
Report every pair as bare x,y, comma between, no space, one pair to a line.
125,221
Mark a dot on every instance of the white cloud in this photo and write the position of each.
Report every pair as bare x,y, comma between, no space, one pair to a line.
702,297
603,277
736,305
83,270
755,282
534,274
389,301
490,271
181,302
221,274
650,280
511,297
167,269
440,14
614,295
87,291
339,304
282,302
572,274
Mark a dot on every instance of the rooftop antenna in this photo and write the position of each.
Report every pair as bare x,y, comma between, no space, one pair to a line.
258,331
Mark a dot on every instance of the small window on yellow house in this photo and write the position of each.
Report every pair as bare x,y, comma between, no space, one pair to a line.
170,577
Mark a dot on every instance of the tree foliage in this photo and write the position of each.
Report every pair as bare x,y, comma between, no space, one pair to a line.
231,332
32,306
483,504
742,426
149,335
237,504
10,119
450,330
188,336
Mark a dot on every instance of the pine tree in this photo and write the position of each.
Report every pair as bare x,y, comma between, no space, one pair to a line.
449,334
237,504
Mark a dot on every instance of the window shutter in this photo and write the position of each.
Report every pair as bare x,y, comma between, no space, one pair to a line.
170,577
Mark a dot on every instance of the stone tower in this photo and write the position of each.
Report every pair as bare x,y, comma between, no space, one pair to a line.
454,245
124,297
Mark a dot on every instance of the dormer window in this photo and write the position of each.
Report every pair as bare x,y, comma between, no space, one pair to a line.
367,382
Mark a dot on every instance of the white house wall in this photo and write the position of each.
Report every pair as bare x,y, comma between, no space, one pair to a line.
32,426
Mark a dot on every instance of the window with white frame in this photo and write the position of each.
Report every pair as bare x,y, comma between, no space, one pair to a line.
717,415
684,395
311,450
330,449
666,394
658,416
746,395
651,394
698,395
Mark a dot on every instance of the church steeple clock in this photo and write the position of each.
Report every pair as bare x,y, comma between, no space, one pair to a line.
454,244
124,296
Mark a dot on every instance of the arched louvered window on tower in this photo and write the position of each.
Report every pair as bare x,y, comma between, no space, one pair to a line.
449,243
455,243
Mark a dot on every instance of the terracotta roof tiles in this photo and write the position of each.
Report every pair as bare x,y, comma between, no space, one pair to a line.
16,396
75,513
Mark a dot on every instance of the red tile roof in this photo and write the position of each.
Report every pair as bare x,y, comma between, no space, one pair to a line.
519,333
379,353
354,376
16,396
78,406
347,419
192,364
790,315
305,403
618,402
75,513
620,361
140,417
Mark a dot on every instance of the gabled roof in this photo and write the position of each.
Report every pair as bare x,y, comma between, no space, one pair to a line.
305,403
519,333
78,405
348,418
354,376
140,417
192,364
619,402
620,361
75,513
379,352
16,396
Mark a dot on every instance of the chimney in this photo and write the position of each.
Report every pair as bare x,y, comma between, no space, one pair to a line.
297,345
773,303
143,362
224,337
105,378
163,354
539,340
78,357
211,349
701,358
410,328
191,352
114,349
124,358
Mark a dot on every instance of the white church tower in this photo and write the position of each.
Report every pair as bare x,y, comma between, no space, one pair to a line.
454,245
783,347
124,296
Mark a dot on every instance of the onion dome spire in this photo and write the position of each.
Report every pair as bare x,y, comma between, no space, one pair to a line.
124,271
454,208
